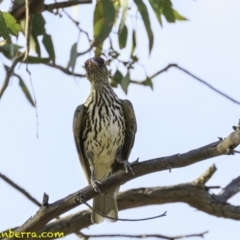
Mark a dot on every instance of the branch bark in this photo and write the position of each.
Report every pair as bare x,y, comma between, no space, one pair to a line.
38,6
47,213
194,193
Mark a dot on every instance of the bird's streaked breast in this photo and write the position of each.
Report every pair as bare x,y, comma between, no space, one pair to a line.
105,130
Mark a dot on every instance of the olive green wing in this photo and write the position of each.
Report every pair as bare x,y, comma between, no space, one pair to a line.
131,128
78,121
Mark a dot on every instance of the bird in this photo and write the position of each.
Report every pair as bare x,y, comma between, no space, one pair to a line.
104,129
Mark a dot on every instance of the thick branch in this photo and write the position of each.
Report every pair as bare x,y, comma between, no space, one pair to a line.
45,214
66,4
38,6
191,193
230,190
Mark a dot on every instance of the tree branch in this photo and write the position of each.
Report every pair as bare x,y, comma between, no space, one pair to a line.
66,4
20,189
38,6
191,193
10,71
45,214
142,236
230,190
65,70
171,65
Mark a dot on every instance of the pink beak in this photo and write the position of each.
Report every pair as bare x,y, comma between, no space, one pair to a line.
92,63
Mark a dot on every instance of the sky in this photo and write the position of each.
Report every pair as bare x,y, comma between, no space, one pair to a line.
179,115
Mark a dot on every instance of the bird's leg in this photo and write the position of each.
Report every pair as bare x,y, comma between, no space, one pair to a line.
93,181
126,163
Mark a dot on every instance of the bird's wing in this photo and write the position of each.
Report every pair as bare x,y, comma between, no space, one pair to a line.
131,128
77,132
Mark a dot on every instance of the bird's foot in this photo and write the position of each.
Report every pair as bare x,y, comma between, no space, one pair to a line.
127,165
95,186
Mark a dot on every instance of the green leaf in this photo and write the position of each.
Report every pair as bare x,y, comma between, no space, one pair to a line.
4,31
34,44
168,13
8,25
73,56
38,25
165,8
10,50
144,13
148,82
125,82
124,5
116,79
48,44
178,16
157,8
38,29
133,42
104,15
122,37
12,24
25,90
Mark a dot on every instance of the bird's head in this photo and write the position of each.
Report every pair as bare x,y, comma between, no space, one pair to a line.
96,70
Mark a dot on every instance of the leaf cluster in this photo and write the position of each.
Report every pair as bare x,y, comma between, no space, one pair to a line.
110,25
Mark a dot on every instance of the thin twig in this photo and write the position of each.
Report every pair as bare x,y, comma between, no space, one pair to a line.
65,70
124,219
20,189
143,236
10,72
86,51
208,85
190,74
77,25
27,29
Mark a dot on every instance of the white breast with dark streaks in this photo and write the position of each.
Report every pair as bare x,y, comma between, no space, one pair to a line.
106,134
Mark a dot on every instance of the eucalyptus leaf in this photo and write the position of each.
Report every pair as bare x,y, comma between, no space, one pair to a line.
48,44
157,8
124,6
104,15
10,50
73,56
25,90
178,16
125,82
118,77
133,42
145,16
8,25
122,37
148,82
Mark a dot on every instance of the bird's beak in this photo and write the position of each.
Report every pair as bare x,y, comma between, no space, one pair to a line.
92,63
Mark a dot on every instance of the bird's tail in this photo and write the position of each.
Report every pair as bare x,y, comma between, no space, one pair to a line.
105,204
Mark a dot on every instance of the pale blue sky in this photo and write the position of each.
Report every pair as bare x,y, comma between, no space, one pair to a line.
179,115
